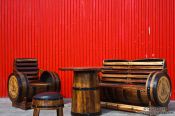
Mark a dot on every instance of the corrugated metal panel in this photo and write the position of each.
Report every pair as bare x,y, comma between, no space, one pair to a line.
84,32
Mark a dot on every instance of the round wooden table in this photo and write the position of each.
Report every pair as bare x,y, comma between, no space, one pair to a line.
85,93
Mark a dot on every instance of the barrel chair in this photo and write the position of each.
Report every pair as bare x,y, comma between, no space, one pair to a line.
27,80
135,85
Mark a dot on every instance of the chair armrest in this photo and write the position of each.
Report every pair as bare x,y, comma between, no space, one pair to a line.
164,70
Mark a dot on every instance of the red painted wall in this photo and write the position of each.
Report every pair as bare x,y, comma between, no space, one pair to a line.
84,32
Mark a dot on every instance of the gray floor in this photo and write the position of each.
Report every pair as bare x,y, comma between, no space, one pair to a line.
7,110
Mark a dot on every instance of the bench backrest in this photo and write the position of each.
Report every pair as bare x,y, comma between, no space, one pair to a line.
136,71
27,66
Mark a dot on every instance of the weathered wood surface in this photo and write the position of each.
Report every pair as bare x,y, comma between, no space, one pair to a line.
24,82
86,96
48,105
138,82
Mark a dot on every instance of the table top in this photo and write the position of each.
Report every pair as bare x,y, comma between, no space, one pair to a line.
82,68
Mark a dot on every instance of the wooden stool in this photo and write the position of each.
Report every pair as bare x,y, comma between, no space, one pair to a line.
48,101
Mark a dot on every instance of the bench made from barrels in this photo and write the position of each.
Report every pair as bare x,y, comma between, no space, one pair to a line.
136,83
25,82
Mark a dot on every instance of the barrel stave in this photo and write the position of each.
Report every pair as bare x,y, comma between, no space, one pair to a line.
86,97
130,95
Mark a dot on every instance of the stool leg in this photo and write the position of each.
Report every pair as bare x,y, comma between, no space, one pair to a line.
60,111
36,112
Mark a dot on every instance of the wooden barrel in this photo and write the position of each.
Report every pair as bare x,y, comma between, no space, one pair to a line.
157,90
86,97
19,88
53,78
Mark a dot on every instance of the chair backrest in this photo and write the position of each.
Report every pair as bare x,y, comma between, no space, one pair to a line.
136,71
28,66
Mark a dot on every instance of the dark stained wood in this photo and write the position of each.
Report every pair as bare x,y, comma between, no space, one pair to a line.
86,96
158,88
135,83
86,99
48,105
131,108
36,112
129,71
121,85
24,82
24,105
60,112
124,76
122,80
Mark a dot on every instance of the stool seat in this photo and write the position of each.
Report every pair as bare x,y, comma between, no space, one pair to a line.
48,96
48,101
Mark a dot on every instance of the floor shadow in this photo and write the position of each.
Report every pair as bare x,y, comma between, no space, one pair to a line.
171,106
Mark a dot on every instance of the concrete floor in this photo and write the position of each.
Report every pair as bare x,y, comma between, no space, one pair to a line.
7,110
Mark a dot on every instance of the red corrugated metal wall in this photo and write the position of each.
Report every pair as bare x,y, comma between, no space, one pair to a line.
84,32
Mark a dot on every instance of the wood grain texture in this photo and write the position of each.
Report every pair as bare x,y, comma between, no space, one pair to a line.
48,105
135,71
86,96
127,86
23,84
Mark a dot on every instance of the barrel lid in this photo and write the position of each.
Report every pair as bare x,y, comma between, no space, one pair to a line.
159,88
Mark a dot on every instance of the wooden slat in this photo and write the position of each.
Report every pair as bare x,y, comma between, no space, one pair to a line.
32,78
135,67
128,71
115,63
115,71
133,86
25,60
118,67
132,63
146,63
124,76
31,70
26,64
34,81
123,80
27,68
39,84
149,60
142,71
125,107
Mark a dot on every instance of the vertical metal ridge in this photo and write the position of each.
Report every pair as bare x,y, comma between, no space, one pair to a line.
63,33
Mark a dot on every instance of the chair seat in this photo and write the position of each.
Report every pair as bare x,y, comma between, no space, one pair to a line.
48,101
48,96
